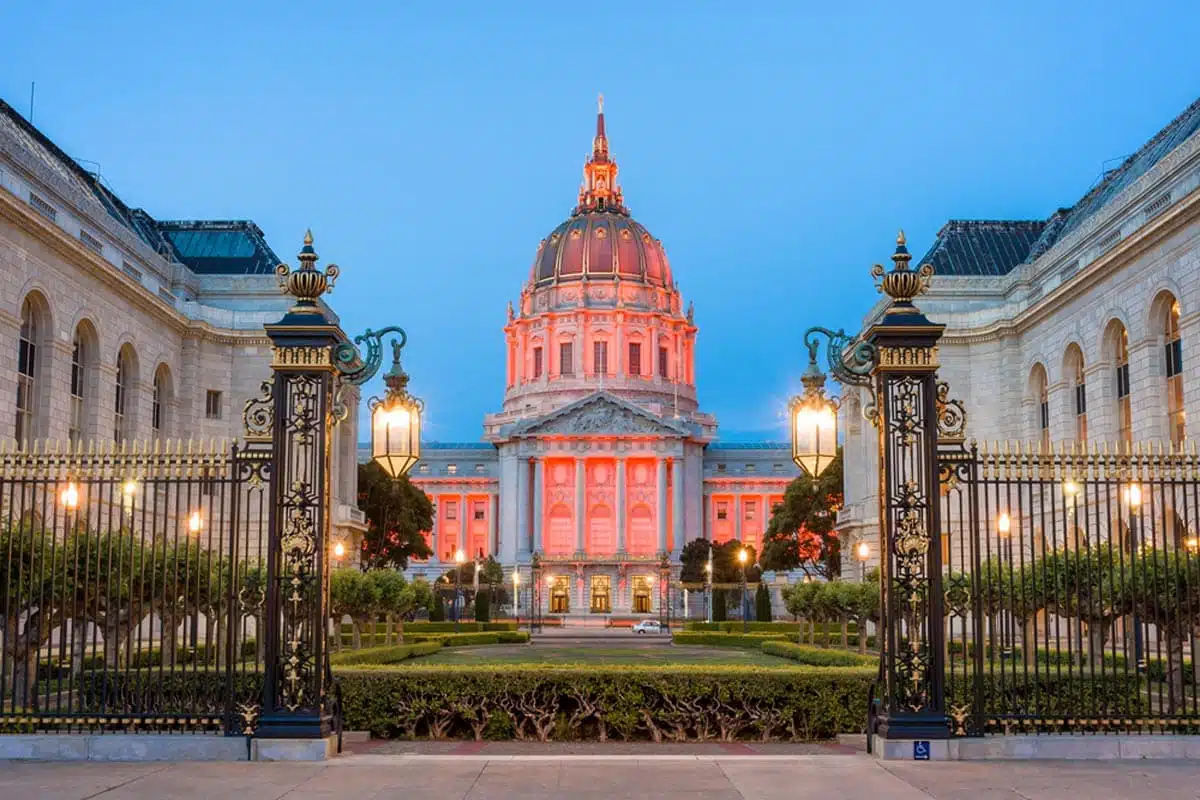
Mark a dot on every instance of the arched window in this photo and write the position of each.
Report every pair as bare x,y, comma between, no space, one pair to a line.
1073,370
28,343
1118,343
161,401
1039,386
123,402
1176,416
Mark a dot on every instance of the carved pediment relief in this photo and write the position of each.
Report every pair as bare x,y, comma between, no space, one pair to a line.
602,416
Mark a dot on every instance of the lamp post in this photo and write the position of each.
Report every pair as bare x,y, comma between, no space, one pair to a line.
743,557
535,593
517,597
862,552
1004,531
460,558
708,569
896,360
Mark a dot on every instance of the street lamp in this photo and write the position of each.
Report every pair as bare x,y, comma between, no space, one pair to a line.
195,522
70,497
814,421
459,559
517,600
743,556
339,551
862,552
708,572
396,420
1133,497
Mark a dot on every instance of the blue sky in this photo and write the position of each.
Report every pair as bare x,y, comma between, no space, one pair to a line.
775,148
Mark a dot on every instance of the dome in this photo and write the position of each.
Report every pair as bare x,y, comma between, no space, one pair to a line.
600,245
600,241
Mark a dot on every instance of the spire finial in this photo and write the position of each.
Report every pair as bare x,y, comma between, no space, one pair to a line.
600,104
900,237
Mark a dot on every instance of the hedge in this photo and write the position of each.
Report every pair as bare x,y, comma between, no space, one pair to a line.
792,628
470,639
571,703
816,656
53,669
384,655
432,627
749,641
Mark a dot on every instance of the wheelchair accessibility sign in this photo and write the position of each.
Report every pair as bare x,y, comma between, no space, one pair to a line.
920,751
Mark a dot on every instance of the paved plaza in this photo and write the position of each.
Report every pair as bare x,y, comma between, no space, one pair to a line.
846,777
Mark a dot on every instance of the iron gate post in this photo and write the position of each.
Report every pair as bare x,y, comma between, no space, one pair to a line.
295,703
905,384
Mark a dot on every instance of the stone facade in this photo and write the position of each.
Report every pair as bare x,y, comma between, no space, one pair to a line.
171,313
1097,322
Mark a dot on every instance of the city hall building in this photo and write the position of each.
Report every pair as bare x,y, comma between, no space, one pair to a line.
600,458
1077,329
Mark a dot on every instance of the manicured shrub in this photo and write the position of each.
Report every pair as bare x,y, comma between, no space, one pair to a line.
483,606
719,605
749,641
816,656
659,703
762,603
437,611
384,655
471,639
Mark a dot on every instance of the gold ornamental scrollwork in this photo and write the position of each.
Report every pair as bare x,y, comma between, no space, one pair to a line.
892,357
258,415
309,357
951,415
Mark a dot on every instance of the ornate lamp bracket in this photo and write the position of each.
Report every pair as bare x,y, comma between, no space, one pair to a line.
356,368
850,361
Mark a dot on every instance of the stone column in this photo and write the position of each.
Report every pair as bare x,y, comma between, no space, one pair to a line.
738,513
539,491
435,538
708,517
766,519
509,538
493,513
580,496
522,501
661,519
464,526
677,503
621,524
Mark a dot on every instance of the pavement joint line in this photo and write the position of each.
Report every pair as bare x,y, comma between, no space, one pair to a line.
394,758
125,783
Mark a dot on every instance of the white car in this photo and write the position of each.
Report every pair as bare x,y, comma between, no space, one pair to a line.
648,626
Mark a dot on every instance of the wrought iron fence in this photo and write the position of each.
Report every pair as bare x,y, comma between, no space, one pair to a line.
132,587
1071,583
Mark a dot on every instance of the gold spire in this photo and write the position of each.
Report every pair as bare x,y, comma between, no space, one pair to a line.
900,238
600,103
308,236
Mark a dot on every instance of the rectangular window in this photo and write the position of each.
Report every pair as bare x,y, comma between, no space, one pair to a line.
1123,381
1124,404
600,358
749,509
1174,358
751,469
635,358
478,511
91,242
537,362
720,467
480,469
451,510
75,433
452,469
722,510
212,404
423,469
156,408
1044,414
566,358
662,363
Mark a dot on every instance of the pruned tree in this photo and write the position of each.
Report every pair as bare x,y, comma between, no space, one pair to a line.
397,512
800,534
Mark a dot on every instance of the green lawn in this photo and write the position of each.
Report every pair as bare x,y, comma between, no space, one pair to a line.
631,654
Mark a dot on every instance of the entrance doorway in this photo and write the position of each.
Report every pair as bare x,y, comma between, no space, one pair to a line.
641,594
560,595
601,596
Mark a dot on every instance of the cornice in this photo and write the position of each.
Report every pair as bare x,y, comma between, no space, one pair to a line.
736,482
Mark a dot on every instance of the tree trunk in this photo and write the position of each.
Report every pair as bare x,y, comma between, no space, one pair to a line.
112,640
354,623
1174,670
399,629
387,629
1029,641
845,632
260,638
862,636
169,635
1098,632
335,625
78,645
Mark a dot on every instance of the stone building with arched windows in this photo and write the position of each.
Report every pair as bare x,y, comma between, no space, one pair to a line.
1084,326
116,326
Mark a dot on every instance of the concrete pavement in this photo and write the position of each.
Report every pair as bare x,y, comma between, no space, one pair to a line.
846,777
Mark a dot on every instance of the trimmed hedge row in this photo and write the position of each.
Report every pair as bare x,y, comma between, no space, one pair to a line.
384,655
380,628
792,628
748,641
470,639
572,703
53,669
816,656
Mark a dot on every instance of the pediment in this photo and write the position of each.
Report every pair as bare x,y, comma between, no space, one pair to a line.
601,415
